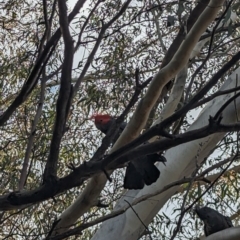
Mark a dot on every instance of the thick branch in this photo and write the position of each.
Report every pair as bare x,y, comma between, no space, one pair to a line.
83,172
64,98
197,11
165,123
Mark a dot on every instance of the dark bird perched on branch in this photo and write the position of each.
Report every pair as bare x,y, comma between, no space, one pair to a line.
213,220
139,171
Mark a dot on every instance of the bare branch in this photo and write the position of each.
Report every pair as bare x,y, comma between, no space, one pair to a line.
80,174
23,176
65,95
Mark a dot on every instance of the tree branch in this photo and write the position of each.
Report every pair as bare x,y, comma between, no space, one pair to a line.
16,200
64,98
23,176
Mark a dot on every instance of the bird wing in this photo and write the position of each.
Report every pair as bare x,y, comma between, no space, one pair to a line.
132,179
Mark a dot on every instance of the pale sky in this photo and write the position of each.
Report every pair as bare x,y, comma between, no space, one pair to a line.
72,3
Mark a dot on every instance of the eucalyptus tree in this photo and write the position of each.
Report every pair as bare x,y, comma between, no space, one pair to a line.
169,68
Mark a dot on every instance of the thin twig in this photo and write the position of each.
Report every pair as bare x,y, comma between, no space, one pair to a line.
217,94
97,44
211,185
139,218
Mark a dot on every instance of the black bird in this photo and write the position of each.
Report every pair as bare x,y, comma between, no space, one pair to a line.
213,220
140,171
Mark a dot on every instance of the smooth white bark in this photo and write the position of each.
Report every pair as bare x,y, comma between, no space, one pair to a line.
227,234
181,161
